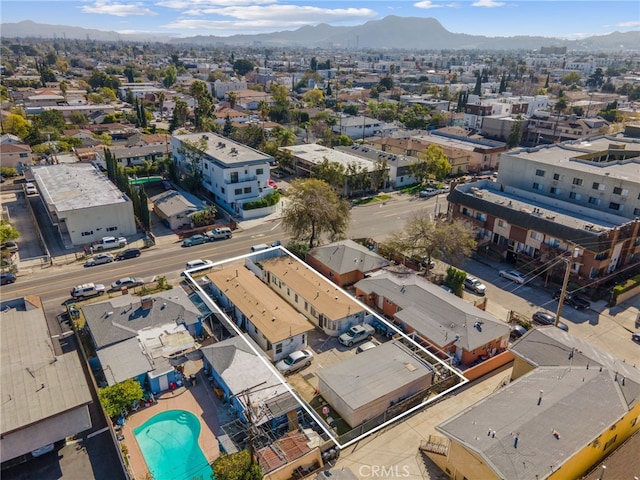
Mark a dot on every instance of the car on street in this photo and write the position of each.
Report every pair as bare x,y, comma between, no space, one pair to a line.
356,334
428,192
544,318
574,300
194,240
99,260
11,247
130,253
127,282
513,275
475,285
87,290
295,361
198,263
7,277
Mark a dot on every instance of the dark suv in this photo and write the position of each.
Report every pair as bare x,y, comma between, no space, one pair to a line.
574,300
127,254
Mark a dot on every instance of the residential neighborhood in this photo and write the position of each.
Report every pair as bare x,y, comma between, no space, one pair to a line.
271,260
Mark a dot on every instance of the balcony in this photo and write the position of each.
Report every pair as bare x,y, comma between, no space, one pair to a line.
240,180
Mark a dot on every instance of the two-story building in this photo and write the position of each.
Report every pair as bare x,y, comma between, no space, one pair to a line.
320,301
267,318
231,172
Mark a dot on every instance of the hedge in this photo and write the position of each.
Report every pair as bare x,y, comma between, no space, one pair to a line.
625,287
269,200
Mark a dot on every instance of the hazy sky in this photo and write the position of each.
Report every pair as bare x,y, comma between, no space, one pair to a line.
570,19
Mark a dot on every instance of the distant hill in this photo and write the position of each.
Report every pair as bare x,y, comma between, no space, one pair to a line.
392,32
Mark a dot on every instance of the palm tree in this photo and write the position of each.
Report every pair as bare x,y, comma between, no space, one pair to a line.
161,98
233,98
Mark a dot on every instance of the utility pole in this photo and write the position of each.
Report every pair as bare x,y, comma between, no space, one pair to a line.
565,282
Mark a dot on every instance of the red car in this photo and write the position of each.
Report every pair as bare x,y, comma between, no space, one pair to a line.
272,183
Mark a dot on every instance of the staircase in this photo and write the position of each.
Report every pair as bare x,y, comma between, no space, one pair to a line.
435,444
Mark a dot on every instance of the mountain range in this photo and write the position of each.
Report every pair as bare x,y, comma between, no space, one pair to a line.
392,32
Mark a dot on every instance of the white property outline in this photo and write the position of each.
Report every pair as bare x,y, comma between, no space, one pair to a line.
321,422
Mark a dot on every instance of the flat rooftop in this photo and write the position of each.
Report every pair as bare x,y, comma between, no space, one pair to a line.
76,186
573,155
316,154
225,151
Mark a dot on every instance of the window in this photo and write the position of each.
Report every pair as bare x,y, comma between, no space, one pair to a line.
86,234
555,191
259,171
278,348
501,223
617,190
234,177
636,211
255,329
112,229
611,441
540,173
238,191
577,181
552,242
594,201
575,196
537,186
222,190
247,189
536,235
556,176
596,186
616,206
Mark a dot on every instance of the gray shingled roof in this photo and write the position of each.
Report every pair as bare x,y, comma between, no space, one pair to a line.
123,360
121,318
549,346
364,378
35,383
434,313
173,203
514,412
347,256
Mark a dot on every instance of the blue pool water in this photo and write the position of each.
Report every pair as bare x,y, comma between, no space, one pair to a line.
169,444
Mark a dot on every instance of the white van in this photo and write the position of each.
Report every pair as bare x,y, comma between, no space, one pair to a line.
257,248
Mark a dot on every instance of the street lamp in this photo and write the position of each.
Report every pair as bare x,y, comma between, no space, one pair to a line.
565,282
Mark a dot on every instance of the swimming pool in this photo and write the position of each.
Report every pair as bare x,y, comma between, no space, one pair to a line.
169,445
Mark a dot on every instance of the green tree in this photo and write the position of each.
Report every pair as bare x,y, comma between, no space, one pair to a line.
455,279
194,152
515,135
170,76
52,119
130,73
332,173
15,124
432,163
7,231
237,466
120,397
313,211
477,90
572,78
243,66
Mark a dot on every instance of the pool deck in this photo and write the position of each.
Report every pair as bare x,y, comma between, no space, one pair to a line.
199,400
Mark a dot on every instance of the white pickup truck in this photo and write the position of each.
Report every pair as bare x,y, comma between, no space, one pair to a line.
88,290
110,242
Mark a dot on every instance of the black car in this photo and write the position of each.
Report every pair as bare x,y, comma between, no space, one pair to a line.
544,318
517,331
129,253
7,277
574,300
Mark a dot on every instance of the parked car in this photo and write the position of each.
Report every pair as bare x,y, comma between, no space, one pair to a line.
130,253
356,334
108,243
635,337
194,240
221,233
544,318
272,183
513,275
428,192
11,247
127,282
30,188
295,361
475,285
573,300
517,331
447,288
99,260
7,277
87,290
